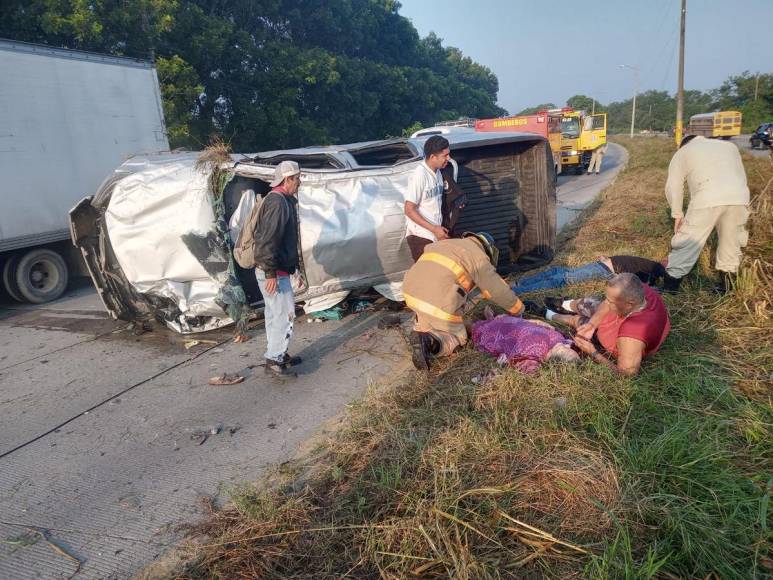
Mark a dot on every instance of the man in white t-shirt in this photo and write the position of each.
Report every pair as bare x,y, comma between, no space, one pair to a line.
424,198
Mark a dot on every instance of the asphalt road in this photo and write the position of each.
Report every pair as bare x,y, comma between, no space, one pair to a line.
575,192
106,442
743,143
102,441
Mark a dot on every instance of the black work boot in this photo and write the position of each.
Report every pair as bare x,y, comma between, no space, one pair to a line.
424,347
671,284
277,369
725,282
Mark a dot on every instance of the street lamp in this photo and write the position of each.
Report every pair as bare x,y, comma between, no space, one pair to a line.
635,90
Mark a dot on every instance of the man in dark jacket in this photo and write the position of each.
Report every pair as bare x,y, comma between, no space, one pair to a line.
276,256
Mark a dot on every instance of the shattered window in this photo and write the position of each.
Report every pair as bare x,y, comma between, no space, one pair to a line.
379,155
311,161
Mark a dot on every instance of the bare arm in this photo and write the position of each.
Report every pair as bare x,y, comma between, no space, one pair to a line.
586,330
675,186
412,213
629,354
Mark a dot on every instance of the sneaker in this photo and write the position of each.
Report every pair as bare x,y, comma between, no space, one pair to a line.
421,346
555,304
534,309
276,369
291,361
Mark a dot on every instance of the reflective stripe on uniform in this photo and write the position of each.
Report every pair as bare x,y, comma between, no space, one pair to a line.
517,307
461,274
426,308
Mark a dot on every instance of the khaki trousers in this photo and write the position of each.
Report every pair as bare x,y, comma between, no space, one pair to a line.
687,243
595,161
451,337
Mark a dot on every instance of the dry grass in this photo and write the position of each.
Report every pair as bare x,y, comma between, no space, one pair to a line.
477,472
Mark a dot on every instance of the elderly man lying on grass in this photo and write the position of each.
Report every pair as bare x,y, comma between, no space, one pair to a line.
630,323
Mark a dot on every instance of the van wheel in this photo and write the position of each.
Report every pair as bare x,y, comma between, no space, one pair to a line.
41,276
9,280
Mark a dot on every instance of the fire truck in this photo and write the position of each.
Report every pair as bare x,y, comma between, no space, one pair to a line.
581,134
542,123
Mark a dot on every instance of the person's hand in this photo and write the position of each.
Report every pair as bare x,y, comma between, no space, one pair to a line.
440,232
271,286
584,344
678,224
586,331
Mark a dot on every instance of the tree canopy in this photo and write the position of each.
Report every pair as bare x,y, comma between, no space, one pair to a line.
269,74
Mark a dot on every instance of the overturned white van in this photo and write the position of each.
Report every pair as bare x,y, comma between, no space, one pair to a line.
156,240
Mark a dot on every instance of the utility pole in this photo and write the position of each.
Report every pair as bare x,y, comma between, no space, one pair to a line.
756,86
593,107
680,88
635,70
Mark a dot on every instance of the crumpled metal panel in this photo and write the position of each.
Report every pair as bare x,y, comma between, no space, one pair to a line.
161,226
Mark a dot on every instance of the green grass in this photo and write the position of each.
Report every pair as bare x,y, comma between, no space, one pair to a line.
572,472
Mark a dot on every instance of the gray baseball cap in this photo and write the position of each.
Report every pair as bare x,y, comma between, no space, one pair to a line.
284,169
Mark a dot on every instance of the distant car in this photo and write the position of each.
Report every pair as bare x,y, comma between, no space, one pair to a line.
156,240
762,136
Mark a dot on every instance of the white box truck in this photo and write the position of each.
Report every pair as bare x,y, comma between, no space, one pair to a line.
67,120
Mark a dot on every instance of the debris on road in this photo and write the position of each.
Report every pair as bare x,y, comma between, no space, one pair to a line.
226,379
189,344
335,313
389,321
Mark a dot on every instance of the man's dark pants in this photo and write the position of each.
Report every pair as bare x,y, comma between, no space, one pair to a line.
417,245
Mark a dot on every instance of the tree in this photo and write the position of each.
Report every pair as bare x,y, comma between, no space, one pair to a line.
583,103
268,74
538,108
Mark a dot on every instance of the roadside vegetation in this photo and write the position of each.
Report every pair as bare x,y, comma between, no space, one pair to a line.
480,472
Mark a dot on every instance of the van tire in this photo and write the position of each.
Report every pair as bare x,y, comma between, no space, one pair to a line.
41,275
9,278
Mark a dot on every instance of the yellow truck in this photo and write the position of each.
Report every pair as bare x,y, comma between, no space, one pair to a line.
581,134
717,125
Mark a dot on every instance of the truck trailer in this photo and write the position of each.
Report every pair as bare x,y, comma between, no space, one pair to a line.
67,119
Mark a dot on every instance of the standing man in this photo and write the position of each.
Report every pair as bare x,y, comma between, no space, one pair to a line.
424,197
595,159
276,256
719,199
436,289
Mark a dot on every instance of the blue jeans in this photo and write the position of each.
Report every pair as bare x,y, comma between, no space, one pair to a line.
559,276
279,313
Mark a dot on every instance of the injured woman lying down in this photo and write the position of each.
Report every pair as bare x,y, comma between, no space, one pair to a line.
523,344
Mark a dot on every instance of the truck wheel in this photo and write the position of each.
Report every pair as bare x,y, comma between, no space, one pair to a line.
9,280
41,276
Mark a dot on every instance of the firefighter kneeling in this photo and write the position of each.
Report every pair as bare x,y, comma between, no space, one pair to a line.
437,286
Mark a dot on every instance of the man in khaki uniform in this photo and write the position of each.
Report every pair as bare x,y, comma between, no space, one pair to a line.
596,158
719,199
437,286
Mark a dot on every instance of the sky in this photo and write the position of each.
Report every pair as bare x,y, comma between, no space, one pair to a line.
543,56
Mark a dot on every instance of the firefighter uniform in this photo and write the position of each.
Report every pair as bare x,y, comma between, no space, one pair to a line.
436,289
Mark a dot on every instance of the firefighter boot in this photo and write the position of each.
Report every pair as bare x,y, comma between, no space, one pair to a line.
424,346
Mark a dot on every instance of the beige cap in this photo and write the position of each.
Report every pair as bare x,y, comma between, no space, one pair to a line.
284,169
